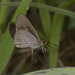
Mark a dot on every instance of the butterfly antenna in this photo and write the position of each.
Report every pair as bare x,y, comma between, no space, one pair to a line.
52,50
45,43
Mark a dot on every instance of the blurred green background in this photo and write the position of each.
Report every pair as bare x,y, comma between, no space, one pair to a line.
53,20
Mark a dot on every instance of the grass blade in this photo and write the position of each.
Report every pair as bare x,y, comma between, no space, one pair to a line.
57,25
45,18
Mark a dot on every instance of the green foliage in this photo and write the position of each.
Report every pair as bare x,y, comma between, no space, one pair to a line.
51,28
54,9
3,12
45,18
54,71
53,31
6,49
57,24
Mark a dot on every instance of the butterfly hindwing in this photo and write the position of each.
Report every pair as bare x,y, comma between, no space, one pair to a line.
24,39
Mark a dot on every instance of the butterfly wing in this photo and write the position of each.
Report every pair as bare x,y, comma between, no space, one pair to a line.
23,23
24,39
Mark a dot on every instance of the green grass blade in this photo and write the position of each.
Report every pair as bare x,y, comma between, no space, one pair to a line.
23,7
3,15
57,25
45,18
6,49
54,71
54,9
40,5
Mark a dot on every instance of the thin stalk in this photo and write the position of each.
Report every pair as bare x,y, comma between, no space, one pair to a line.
57,25
40,5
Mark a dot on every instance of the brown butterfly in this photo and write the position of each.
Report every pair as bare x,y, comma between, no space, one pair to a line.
25,35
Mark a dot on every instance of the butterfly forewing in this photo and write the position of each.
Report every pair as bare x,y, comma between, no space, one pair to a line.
24,24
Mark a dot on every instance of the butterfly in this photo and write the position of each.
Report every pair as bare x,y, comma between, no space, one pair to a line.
25,35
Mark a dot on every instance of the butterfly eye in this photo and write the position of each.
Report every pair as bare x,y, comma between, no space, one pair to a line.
44,41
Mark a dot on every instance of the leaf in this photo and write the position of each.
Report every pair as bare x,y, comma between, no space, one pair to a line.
54,71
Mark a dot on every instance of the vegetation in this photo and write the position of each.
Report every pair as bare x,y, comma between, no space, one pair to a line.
54,22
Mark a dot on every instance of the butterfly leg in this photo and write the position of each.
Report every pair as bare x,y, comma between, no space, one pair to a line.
43,51
43,48
32,54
